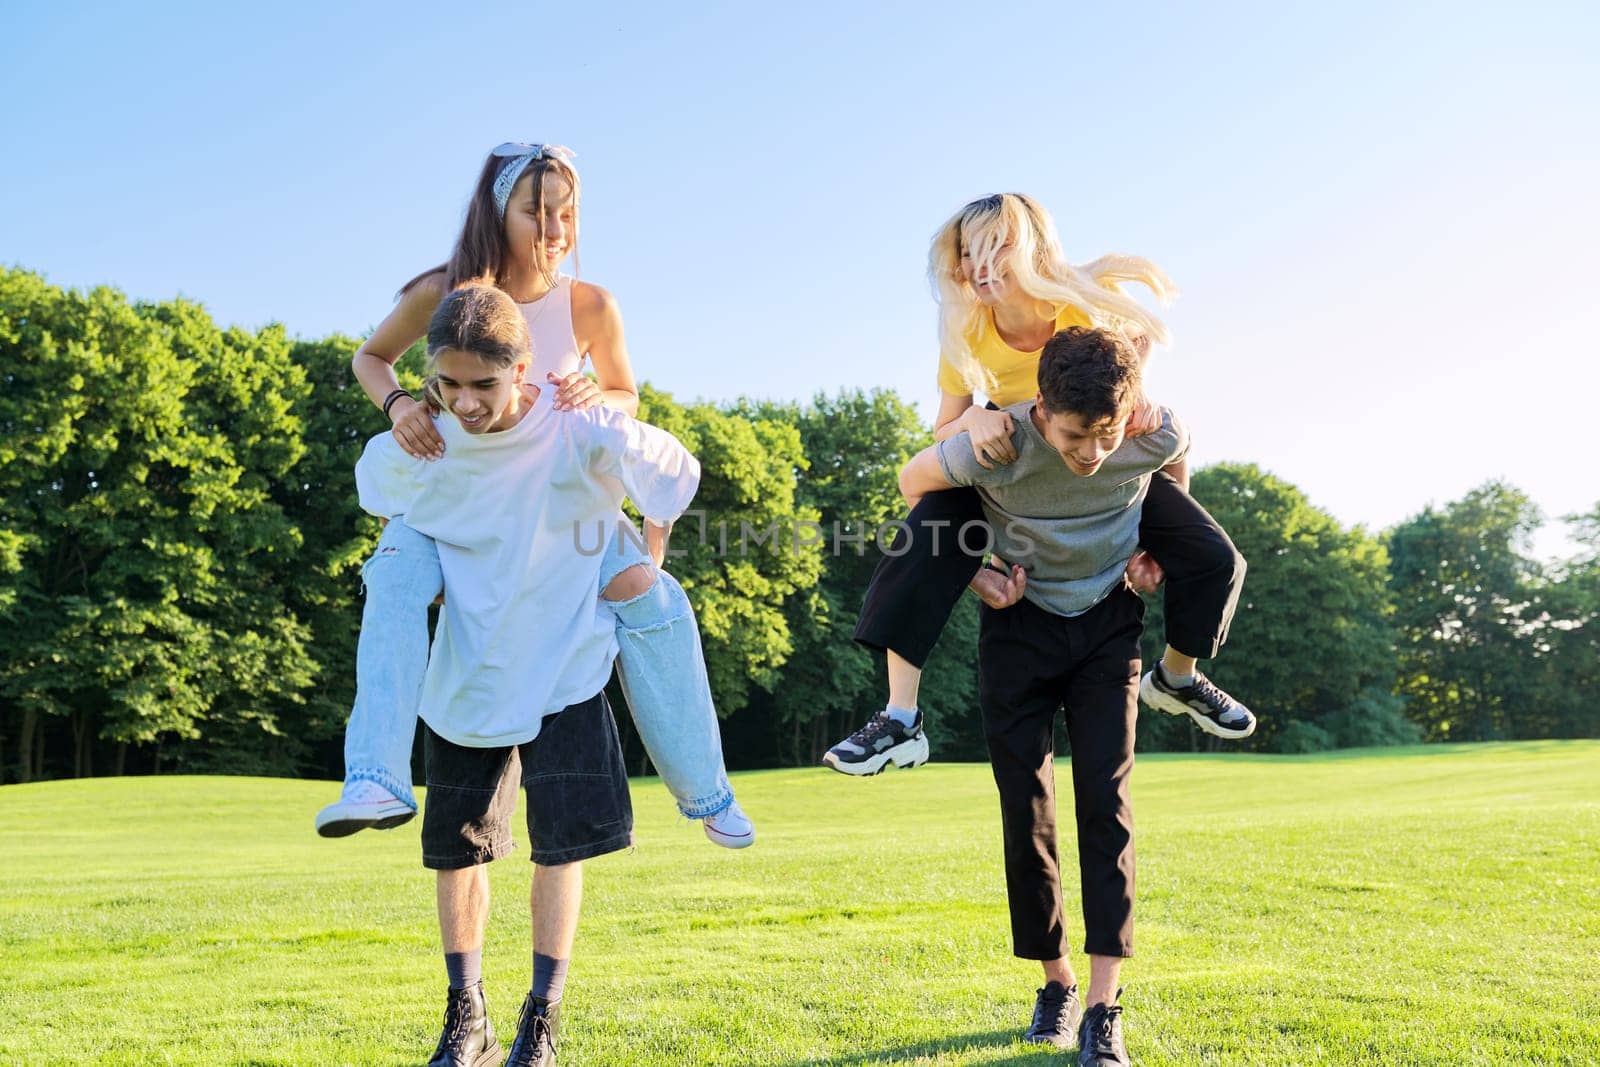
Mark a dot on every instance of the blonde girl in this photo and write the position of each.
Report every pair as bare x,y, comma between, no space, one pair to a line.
1004,288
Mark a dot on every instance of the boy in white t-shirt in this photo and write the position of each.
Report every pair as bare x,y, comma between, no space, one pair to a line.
522,650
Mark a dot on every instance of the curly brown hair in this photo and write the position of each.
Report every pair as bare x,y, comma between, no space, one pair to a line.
1093,374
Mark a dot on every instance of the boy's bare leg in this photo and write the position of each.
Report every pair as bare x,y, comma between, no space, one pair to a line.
555,900
1060,971
1105,972
463,897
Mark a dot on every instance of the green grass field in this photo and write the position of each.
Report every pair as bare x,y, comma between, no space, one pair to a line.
1415,906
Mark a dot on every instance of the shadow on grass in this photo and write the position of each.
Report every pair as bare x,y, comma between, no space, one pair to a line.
1432,748
998,1039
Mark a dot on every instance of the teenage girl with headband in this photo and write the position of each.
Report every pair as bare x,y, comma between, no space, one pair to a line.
1004,288
521,223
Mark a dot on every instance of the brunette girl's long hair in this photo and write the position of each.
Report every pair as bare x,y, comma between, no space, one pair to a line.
481,253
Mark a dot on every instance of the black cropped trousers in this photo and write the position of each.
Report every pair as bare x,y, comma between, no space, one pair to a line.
920,578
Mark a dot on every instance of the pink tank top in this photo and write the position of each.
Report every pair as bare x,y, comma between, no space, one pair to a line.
555,346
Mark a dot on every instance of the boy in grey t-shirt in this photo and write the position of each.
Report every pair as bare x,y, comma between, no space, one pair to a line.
1065,514
1075,526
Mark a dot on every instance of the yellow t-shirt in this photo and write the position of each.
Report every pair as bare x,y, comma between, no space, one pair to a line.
1016,374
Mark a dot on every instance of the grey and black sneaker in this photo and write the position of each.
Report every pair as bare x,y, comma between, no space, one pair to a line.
883,740
535,1045
468,1040
1100,1037
1214,711
1056,1015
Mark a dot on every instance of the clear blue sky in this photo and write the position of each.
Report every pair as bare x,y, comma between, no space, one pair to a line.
1384,221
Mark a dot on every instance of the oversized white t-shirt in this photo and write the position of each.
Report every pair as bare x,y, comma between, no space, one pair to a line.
515,514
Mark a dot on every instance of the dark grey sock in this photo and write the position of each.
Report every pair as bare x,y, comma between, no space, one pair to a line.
465,968
549,976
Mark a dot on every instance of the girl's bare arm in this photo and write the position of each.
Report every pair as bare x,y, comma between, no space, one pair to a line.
373,366
598,323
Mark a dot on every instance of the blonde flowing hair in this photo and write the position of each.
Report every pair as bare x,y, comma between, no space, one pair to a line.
1014,232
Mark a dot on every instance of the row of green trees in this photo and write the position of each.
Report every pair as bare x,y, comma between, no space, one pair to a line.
180,551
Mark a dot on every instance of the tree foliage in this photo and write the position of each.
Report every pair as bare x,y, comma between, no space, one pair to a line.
143,546
1466,601
1567,639
739,553
854,446
180,549
1311,648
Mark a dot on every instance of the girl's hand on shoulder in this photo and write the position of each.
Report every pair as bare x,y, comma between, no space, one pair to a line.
575,392
991,437
414,429
1146,417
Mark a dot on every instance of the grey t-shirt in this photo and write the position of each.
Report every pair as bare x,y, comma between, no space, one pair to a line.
1072,534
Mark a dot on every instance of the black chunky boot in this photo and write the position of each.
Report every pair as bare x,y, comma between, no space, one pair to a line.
468,1040
535,1045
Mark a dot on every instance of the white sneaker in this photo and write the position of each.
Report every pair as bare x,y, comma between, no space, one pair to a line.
730,827
363,804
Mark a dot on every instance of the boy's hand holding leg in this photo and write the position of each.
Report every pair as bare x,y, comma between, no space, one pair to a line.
998,584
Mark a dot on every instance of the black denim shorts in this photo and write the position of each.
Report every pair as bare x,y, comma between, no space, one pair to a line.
578,803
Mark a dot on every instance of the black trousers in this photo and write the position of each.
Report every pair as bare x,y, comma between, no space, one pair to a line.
918,581
1032,664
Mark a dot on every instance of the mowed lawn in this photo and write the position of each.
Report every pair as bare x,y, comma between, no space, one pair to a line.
1416,906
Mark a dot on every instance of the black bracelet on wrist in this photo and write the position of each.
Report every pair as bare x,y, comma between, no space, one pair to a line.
388,401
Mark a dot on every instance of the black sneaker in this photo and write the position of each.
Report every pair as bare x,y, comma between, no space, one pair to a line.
872,748
468,1039
1100,1037
1056,1015
535,1045
1214,711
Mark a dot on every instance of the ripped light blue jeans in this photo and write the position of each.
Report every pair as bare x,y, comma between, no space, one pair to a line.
659,661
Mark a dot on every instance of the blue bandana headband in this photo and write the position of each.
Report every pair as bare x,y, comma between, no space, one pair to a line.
517,155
